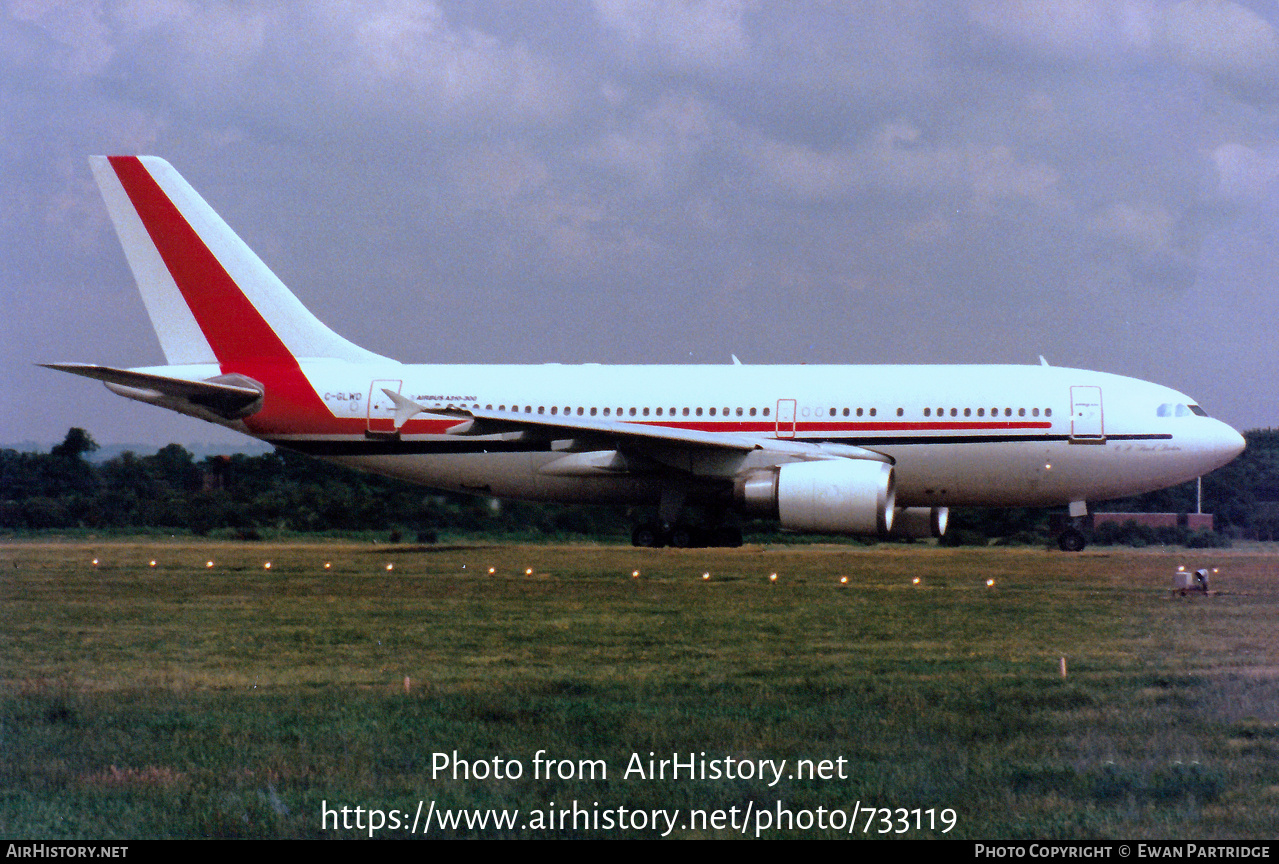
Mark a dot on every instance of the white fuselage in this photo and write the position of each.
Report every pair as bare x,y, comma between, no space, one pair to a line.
823,448
957,435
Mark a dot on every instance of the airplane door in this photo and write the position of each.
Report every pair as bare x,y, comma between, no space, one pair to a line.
381,420
1087,423
785,418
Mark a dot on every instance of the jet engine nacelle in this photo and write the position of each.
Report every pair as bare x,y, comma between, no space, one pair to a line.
920,523
845,496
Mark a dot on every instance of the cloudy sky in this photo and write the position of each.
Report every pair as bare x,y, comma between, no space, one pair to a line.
631,181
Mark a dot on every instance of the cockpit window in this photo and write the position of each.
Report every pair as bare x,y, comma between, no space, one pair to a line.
1169,410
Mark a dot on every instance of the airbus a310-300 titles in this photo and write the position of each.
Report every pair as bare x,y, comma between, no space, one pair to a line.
870,450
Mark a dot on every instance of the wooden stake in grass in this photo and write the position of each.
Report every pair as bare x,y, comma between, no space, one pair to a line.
1063,667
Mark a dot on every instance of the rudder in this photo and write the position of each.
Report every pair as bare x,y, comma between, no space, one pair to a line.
210,298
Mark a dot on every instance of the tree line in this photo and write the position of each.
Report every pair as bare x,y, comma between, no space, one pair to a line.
283,492
251,496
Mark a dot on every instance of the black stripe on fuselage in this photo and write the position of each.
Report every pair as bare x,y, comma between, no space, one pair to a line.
435,446
973,439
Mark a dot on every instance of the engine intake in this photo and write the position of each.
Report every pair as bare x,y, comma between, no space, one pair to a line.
844,496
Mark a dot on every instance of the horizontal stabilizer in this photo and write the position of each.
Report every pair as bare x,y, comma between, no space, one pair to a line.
228,396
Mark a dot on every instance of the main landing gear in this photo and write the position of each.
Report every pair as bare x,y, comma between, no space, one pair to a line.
652,534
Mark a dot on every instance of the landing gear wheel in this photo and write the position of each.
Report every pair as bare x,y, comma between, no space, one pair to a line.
648,535
1072,540
686,537
726,537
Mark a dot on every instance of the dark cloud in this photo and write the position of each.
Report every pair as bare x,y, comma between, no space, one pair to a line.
653,180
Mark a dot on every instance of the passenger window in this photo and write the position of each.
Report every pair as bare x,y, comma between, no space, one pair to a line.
765,412
901,411
859,412
954,412
872,412
645,412
1048,412
699,412
968,412
739,412
752,412
1034,412
593,412
606,410
928,412
712,412
1021,412
632,412
685,412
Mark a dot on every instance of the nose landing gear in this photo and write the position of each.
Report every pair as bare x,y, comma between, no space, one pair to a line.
1070,531
1072,540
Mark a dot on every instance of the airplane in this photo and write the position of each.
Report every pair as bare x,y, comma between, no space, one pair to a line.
859,450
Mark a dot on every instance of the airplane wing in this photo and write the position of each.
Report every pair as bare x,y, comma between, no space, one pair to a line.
228,396
476,421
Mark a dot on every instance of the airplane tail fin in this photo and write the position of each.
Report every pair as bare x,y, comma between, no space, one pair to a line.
210,298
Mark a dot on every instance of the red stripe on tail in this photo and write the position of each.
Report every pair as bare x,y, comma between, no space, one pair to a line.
240,337
228,320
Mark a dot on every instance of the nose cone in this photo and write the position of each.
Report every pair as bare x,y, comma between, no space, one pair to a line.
1229,443
1214,445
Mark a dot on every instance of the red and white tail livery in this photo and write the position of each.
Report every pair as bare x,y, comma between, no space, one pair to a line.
851,449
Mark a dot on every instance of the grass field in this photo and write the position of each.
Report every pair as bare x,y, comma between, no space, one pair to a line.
183,700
